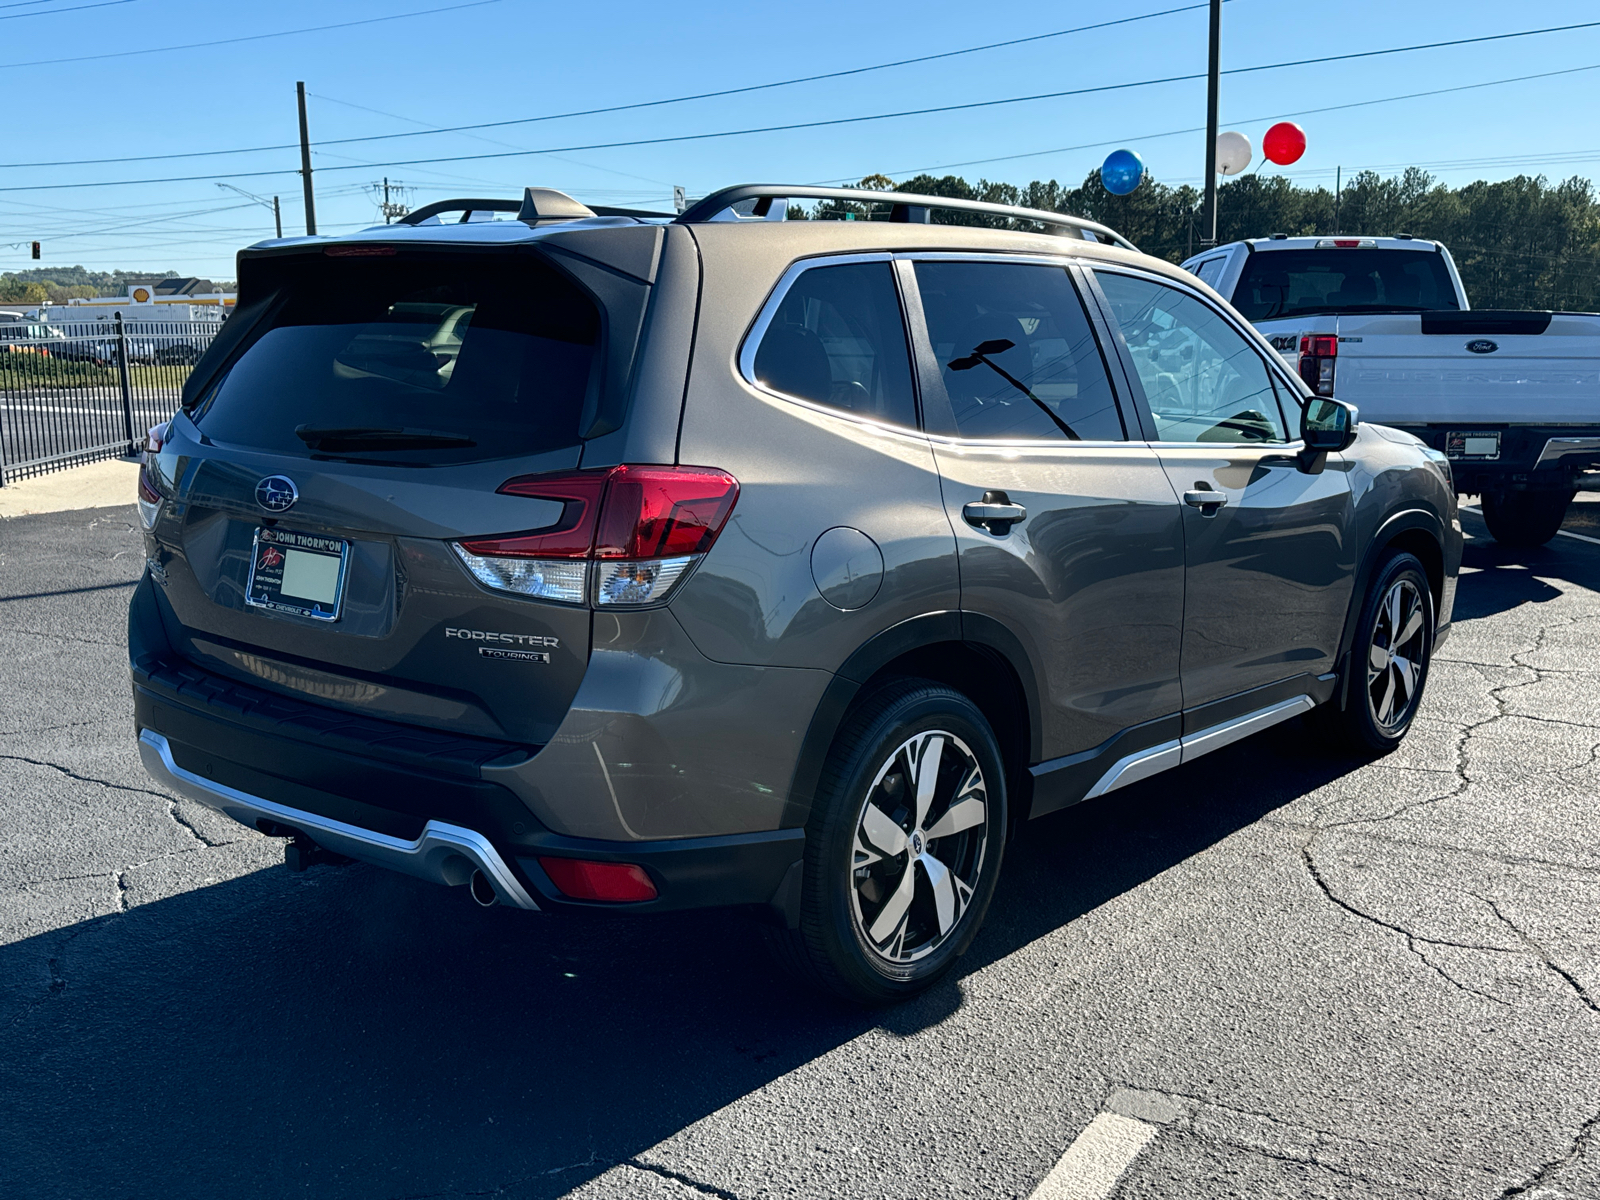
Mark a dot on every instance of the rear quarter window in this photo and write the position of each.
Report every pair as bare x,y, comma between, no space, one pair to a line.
416,359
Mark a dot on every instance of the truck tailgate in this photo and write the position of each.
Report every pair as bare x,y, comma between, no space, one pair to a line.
1400,375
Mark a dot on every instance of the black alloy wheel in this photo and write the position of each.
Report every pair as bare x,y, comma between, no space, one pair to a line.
1389,660
903,847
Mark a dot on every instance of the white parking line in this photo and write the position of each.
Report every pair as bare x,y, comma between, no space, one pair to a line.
1097,1159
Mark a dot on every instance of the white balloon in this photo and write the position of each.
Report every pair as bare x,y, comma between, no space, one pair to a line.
1233,152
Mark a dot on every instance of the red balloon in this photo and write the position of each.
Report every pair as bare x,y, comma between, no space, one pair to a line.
1285,143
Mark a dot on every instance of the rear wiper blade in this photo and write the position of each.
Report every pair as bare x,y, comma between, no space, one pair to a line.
369,437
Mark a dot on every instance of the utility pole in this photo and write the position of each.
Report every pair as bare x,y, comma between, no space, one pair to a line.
277,216
1338,189
1208,228
385,199
305,157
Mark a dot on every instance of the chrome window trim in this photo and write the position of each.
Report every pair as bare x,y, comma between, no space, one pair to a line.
1270,358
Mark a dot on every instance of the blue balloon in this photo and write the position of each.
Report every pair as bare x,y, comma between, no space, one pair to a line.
1121,172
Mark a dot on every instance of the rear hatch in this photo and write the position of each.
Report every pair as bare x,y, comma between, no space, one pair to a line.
362,424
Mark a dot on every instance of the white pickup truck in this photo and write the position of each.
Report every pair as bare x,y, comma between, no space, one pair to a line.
1512,398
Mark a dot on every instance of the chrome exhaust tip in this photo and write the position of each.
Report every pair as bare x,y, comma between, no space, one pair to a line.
482,890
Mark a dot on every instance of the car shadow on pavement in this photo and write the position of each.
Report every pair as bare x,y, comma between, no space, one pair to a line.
348,1031
1496,578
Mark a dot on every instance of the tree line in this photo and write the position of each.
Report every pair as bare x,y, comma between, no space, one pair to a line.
1519,243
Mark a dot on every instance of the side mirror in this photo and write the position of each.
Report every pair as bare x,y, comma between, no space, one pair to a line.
1326,426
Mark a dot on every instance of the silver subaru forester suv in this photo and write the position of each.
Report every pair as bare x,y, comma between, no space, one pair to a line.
590,558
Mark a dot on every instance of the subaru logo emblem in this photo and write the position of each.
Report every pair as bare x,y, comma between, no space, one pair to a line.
276,493
1482,346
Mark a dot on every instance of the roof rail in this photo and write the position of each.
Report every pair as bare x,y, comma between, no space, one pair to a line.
905,207
537,204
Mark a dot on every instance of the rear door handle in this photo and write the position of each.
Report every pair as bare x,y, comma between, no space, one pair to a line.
1206,502
994,512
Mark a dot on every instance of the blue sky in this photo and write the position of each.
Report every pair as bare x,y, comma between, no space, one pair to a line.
520,58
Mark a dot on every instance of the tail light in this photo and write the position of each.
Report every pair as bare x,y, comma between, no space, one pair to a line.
1318,354
149,494
624,539
1346,243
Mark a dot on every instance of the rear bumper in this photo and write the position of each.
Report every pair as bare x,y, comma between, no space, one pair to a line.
1531,458
441,853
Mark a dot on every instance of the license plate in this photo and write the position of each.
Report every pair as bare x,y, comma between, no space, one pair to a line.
301,573
1472,443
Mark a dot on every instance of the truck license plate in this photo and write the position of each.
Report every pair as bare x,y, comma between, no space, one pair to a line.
1472,444
301,573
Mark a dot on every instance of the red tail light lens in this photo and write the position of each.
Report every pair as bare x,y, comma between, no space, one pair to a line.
646,525
1318,357
663,512
620,883
570,537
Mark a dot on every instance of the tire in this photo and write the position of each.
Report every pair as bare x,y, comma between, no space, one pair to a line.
885,914
1525,518
1385,687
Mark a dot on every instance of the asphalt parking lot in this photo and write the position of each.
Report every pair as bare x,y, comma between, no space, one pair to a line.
1288,972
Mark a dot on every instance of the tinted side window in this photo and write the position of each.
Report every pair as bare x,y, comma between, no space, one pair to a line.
1204,381
1210,271
1016,352
838,339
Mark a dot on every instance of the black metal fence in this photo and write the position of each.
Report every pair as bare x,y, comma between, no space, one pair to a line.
73,393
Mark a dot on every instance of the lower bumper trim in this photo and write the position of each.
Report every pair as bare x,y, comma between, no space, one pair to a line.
441,853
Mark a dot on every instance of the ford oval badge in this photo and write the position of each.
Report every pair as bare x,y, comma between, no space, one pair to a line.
1482,346
276,493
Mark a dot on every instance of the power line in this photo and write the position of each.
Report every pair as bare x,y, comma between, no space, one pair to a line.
432,130
1304,112
254,37
83,162
819,124
55,12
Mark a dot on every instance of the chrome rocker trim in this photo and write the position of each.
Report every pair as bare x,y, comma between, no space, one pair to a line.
1155,759
441,854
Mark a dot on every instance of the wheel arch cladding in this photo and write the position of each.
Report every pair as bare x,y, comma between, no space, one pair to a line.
1414,531
930,647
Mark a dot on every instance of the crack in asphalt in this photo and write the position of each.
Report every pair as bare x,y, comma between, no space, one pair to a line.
172,811
71,774
1579,1147
49,728
1412,939
1542,954
65,637
687,1181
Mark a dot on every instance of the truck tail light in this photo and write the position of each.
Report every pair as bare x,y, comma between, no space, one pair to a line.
625,537
1318,355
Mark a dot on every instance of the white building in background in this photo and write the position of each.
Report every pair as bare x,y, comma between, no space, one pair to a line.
168,300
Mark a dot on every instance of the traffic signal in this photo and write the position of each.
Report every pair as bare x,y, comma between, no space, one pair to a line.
36,249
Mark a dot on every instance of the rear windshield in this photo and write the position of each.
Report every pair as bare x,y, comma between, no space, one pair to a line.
421,360
1291,283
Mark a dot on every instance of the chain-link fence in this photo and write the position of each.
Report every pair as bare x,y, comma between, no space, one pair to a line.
73,393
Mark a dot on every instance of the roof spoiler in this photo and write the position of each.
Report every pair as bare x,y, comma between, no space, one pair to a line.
537,204
905,207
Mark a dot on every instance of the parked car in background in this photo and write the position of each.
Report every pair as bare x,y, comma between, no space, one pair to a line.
1511,398
34,336
632,562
